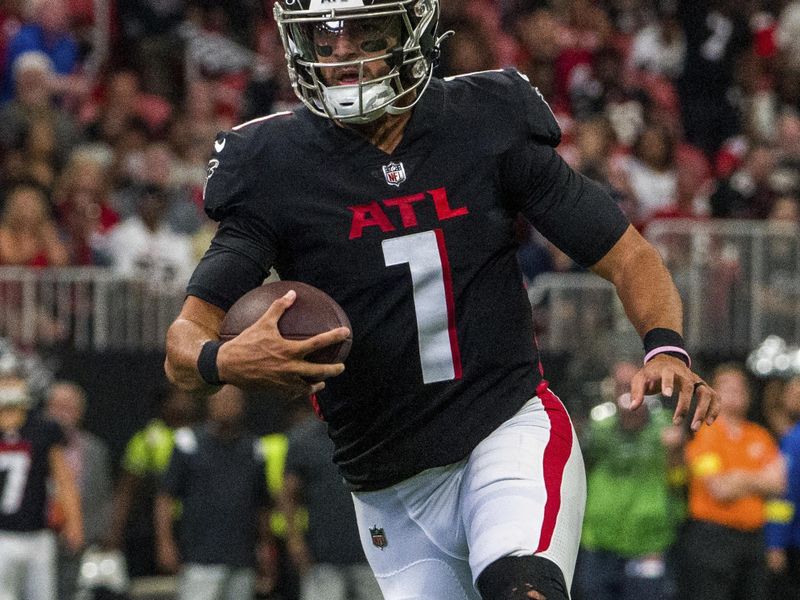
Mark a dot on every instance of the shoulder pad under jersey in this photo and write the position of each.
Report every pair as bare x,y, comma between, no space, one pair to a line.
227,182
510,95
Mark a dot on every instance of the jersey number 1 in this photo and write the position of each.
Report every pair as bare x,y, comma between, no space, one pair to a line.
426,256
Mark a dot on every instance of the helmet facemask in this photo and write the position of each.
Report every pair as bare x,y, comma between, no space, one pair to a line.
400,34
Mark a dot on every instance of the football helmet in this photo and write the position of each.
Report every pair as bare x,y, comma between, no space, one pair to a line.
372,25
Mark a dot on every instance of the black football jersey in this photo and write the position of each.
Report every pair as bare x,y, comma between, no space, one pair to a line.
24,470
417,246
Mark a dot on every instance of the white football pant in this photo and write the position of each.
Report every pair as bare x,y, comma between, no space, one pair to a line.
522,491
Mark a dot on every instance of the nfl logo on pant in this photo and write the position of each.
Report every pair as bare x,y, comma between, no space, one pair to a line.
395,173
378,537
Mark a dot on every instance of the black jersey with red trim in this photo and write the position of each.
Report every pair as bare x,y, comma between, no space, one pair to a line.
24,470
418,248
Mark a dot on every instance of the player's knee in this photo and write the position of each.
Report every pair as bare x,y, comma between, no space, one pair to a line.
522,578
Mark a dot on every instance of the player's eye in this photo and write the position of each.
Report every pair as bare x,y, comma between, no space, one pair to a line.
371,35
374,45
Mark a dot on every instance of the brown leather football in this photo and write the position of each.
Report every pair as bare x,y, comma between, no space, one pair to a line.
312,313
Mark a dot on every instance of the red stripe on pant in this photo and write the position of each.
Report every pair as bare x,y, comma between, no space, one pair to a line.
556,455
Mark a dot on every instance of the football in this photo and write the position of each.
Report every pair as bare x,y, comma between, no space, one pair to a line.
312,313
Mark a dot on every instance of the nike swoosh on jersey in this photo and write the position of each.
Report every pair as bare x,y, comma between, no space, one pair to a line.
219,146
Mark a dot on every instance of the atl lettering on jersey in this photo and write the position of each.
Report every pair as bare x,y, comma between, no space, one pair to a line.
378,213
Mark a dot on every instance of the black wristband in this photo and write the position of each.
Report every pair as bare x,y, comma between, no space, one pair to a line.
207,362
665,341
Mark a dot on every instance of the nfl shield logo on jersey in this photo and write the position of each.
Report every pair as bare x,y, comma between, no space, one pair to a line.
378,537
395,173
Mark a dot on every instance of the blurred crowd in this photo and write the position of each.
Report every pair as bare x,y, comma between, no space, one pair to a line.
200,505
681,108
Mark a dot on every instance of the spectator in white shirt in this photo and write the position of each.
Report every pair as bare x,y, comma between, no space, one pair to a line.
144,245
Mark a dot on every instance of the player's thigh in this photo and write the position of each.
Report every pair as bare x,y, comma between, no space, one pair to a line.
201,582
323,581
525,489
412,538
40,576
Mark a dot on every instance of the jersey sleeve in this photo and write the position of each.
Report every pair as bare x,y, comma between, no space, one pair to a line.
539,118
245,246
572,211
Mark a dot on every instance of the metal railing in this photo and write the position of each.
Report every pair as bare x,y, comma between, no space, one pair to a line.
740,281
85,308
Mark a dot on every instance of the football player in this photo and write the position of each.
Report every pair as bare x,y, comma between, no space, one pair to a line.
396,193
31,451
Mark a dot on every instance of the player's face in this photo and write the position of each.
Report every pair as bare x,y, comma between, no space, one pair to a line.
352,40
12,418
733,392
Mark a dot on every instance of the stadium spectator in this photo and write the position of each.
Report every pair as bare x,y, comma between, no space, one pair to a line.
716,33
121,105
786,178
328,555
275,573
32,451
47,30
468,52
32,103
788,34
145,459
747,193
777,290
87,457
28,236
660,46
145,245
783,514
217,472
154,168
651,173
151,45
81,199
634,475
734,467
536,30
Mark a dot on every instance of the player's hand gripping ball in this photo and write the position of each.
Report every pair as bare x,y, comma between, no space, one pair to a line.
312,313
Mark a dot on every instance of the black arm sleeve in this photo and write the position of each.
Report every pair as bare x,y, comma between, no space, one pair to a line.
569,209
234,264
243,249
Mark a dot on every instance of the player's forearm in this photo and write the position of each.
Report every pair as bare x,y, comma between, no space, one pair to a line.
185,338
650,297
643,283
